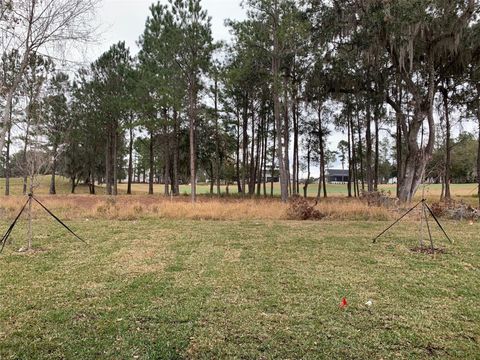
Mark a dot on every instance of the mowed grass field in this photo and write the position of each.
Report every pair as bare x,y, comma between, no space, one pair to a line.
465,192
232,278
163,289
432,191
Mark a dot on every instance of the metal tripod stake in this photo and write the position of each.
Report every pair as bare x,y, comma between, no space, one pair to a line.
425,208
29,203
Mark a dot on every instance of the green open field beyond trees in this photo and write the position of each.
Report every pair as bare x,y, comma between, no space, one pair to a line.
465,192
258,289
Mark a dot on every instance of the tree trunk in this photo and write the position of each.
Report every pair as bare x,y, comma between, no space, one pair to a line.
274,150
176,187
137,170
399,156
54,170
307,180
286,136
448,147
108,163
265,144
237,156
130,161
6,114
7,157
368,135
92,182
212,178
360,152
442,191
478,148
258,164
320,184
166,178
73,184
295,145
399,144
350,172
151,164
418,157
298,146
252,172
376,176
260,150
193,124
354,158
321,179
276,109
280,155
24,189
29,235
115,160
217,139
324,181
25,148
244,142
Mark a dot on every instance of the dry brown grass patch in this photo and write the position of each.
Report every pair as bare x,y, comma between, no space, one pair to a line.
135,207
353,209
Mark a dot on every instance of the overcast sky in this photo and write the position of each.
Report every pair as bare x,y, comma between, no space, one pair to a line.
125,20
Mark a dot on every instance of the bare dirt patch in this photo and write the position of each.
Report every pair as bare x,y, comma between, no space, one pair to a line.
428,250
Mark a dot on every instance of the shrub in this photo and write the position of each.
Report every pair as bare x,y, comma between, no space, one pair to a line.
378,198
463,212
438,209
300,209
455,210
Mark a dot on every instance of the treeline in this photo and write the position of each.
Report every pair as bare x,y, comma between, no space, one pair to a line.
393,77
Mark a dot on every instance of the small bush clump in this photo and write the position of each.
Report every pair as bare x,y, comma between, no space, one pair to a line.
378,198
300,209
438,209
463,212
455,210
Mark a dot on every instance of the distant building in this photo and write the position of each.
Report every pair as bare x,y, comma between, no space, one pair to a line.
336,176
271,177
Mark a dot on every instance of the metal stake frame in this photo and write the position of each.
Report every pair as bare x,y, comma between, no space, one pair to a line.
425,208
29,201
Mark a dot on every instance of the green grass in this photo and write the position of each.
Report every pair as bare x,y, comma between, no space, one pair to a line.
431,190
62,186
153,289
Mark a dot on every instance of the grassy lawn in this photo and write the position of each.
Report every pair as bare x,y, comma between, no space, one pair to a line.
467,192
152,289
62,186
